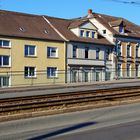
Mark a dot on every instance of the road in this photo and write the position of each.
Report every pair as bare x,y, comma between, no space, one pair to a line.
128,131
122,122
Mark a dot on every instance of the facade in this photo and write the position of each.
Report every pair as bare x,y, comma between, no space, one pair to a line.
88,54
125,35
36,50
29,55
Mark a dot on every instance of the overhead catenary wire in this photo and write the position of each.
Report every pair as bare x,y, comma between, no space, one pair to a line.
126,2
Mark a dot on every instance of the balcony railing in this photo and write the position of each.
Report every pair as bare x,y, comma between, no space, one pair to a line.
137,59
83,61
120,58
129,58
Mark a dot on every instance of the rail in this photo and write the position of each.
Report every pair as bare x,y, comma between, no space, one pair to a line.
48,102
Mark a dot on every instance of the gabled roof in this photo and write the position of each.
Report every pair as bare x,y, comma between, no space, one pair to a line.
62,25
131,29
116,23
26,25
78,23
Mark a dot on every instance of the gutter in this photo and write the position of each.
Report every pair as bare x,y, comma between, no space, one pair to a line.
124,36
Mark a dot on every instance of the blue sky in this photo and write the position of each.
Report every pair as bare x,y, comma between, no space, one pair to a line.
73,8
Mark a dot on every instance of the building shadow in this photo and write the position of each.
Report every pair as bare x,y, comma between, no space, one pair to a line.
63,130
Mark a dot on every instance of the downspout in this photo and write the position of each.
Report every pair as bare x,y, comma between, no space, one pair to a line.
66,68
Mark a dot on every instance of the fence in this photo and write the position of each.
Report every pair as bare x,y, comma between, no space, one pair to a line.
33,78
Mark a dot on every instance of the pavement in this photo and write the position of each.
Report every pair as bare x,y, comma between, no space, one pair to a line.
65,88
78,125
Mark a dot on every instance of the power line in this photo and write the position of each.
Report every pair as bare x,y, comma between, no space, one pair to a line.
126,2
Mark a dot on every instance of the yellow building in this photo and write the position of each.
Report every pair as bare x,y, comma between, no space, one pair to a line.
31,52
128,59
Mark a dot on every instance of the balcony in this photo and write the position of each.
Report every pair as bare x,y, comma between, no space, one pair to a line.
120,58
129,58
137,59
109,62
88,62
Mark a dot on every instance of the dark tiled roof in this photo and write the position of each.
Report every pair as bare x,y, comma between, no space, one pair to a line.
131,29
26,25
78,23
117,23
62,25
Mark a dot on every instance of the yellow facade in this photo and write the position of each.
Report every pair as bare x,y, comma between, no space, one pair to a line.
18,62
132,59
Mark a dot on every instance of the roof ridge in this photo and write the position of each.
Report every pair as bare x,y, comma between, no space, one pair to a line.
18,13
57,18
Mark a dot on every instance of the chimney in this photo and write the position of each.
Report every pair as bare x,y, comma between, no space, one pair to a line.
90,14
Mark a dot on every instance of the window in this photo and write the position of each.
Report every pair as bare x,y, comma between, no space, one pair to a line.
107,54
87,33
74,51
137,51
51,72
4,61
86,52
119,70
119,50
97,53
128,51
93,34
128,70
30,72
81,33
52,52
120,29
4,81
137,70
104,31
29,50
4,43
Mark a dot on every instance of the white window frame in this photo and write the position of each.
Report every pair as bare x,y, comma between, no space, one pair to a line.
52,56
83,33
2,46
2,79
98,50
120,50
30,55
2,65
137,70
92,34
107,54
28,75
88,33
52,76
137,51
130,51
120,73
128,71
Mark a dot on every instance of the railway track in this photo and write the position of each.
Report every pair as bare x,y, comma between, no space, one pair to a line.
57,101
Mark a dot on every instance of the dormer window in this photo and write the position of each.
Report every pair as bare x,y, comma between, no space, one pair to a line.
93,34
82,33
87,33
118,25
121,29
